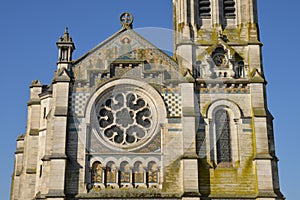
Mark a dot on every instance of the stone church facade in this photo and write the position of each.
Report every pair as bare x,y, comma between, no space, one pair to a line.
127,121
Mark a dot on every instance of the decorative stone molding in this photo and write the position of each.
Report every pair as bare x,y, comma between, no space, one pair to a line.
125,113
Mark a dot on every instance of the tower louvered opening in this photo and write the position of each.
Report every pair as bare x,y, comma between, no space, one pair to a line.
229,8
204,8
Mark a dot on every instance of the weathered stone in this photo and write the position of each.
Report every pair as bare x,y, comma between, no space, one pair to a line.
127,121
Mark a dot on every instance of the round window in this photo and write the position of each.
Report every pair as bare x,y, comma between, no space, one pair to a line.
126,116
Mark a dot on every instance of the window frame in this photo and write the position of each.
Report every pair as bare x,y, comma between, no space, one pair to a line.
235,124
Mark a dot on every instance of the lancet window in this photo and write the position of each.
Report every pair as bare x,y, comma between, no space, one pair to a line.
222,123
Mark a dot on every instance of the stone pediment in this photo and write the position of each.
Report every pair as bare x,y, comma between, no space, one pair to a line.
126,53
221,60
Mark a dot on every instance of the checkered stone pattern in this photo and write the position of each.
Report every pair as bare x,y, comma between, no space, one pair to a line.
78,102
173,103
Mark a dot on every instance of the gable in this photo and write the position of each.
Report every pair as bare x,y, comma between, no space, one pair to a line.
126,55
125,47
221,61
221,43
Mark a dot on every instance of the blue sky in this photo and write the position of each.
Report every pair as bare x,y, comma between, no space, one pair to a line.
29,30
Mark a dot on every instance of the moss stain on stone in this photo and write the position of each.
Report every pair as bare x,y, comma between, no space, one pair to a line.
171,178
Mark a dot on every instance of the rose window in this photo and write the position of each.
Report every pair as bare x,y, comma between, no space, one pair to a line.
125,118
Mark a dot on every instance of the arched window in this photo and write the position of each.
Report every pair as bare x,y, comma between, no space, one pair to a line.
229,9
224,120
152,175
111,172
125,173
97,173
138,172
240,69
197,69
222,124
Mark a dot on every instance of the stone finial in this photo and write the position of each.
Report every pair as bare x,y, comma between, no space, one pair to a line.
188,76
66,37
256,76
61,75
36,83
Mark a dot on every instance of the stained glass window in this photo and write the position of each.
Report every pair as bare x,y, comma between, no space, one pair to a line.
126,118
152,173
125,172
222,122
97,172
138,172
111,173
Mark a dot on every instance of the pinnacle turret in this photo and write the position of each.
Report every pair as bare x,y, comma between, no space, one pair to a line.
65,47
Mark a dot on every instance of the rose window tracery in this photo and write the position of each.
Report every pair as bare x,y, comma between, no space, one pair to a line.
126,118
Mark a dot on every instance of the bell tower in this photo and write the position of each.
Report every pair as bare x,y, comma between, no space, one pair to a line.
201,23
218,41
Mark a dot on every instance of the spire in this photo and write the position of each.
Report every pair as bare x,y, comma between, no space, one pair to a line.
65,47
